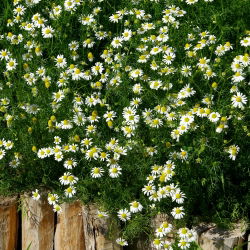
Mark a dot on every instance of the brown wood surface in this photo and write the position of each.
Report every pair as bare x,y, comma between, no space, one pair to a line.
96,231
8,223
37,224
69,229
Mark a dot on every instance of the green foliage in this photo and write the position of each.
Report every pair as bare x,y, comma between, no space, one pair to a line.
215,185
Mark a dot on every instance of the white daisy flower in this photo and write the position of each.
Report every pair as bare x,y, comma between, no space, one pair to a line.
135,207
47,32
52,198
115,171
35,195
70,191
124,215
239,100
57,208
178,212
97,172
121,242
214,117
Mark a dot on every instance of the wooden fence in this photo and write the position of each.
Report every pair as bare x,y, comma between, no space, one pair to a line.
34,226
37,227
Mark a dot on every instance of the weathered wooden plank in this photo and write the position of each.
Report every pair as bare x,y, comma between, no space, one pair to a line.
8,223
96,230
69,229
37,224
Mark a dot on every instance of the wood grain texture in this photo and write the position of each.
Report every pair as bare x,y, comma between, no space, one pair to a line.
8,223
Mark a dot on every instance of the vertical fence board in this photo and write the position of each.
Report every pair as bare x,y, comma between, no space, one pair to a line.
95,231
8,223
37,224
69,229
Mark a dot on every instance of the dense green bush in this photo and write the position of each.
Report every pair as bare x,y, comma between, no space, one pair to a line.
101,100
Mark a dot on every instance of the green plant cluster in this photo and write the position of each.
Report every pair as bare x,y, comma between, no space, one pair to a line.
141,107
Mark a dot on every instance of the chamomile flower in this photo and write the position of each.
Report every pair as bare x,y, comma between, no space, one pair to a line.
155,84
190,2
97,68
167,245
115,18
239,100
155,196
5,54
35,195
238,77
58,156
77,74
41,153
11,64
8,144
136,73
175,134
74,45
57,140
183,232
86,142
127,34
70,5
71,178
52,198
178,213
186,119
233,150
135,207
183,244
65,124
154,66
124,215
157,243
64,179
167,227
88,43
151,151
57,208
186,71
102,214
245,42
159,232
103,156
87,20
214,117
121,242
128,131
97,172
192,235
70,163
137,89
203,63
58,96
47,32
169,58
115,171
90,129
148,189
70,191
109,116
117,42
14,163
60,61
178,196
